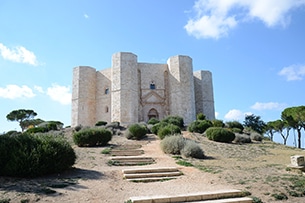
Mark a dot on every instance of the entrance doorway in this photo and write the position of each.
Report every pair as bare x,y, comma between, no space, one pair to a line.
153,113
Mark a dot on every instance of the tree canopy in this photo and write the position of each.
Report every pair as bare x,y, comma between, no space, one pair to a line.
255,123
295,118
23,116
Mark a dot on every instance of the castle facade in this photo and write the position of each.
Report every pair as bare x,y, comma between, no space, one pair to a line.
131,92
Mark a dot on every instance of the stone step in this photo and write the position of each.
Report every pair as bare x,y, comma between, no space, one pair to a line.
152,175
151,179
150,170
135,152
225,195
229,200
131,161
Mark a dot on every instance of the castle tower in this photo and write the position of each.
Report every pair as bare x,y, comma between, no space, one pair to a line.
125,92
181,85
83,96
204,97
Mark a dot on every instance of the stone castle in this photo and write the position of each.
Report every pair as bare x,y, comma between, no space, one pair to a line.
131,92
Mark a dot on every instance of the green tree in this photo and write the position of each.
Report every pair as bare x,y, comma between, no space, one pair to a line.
295,118
255,123
280,126
270,129
22,116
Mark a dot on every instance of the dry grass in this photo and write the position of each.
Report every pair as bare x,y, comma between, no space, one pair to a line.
260,168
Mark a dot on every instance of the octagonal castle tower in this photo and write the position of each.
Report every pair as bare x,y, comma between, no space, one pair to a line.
131,92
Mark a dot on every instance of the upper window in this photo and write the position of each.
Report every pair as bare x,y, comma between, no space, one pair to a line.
152,85
107,90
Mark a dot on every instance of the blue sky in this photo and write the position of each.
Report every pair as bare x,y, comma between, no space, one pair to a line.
255,49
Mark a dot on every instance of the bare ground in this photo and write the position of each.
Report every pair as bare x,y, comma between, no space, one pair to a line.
259,168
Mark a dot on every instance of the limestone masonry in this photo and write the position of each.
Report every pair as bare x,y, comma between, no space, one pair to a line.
131,92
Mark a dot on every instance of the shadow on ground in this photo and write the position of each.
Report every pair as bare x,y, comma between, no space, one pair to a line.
47,184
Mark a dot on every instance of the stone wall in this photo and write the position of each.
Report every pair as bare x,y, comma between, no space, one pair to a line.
83,96
204,97
181,88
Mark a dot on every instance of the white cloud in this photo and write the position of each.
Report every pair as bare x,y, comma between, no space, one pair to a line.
236,115
15,91
38,88
86,16
293,72
215,18
60,93
216,114
268,106
18,54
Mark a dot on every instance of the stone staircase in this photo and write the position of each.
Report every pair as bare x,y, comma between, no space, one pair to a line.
151,174
222,196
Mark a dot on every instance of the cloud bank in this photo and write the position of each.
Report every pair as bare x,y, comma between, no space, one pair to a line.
215,18
60,94
56,92
16,92
236,115
18,54
293,72
268,106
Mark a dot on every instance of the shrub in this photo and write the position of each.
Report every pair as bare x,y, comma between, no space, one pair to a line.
51,125
157,126
169,129
218,123
175,120
256,136
101,123
153,121
136,131
78,128
172,144
34,155
200,116
37,130
236,130
90,137
220,134
192,149
242,138
199,126
235,124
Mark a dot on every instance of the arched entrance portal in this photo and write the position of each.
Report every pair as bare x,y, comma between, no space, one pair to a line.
153,113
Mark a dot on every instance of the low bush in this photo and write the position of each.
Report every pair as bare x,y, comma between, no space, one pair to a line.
36,130
136,131
155,128
175,120
236,130
169,129
235,124
177,144
153,121
256,136
172,144
220,134
200,116
242,138
34,155
199,126
218,123
90,137
101,123
192,149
